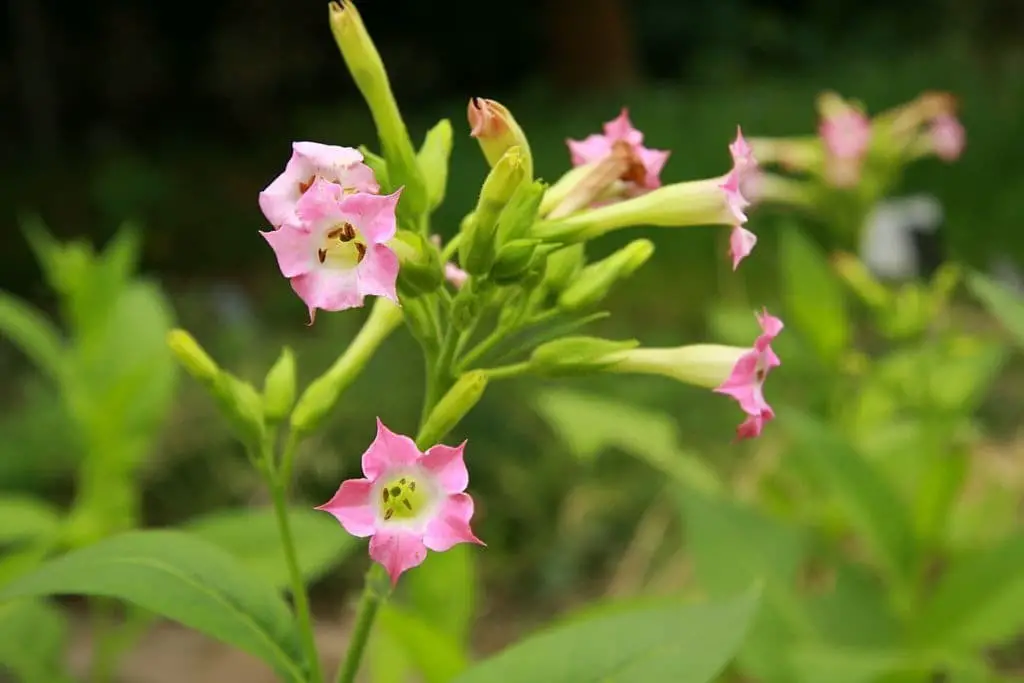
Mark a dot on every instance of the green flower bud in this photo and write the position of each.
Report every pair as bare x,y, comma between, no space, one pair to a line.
563,267
597,279
453,406
477,248
465,307
433,161
520,213
279,387
242,405
420,270
192,357
367,69
513,259
576,355
496,130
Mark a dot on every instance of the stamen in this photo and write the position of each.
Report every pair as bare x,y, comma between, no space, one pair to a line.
321,254
303,186
412,486
360,252
346,233
406,503
389,513
386,496
396,491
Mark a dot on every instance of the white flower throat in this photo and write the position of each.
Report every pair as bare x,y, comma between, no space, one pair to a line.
343,248
401,500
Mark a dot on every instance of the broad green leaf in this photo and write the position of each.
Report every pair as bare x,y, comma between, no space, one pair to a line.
870,505
812,295
387,660
435,654
1006,306
182,578
979,602
855,613
589,424
23,560
251,536
33,641
733,546
443,591
815,663
672,642
31,331
25,518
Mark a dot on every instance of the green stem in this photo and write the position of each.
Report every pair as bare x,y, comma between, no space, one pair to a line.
507,371
366,613
480,350
279,493
105,650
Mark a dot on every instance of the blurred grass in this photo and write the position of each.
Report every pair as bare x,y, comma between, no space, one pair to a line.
550,521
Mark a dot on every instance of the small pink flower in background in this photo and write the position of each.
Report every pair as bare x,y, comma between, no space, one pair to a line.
740,177
309,161
407,502
746,382
645,169
947,136
452,273
333,248
845,134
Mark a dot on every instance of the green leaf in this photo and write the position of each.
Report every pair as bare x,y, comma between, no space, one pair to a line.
435,654
33,641
443,591
25,518
182,578
855,613
733,546
32,332
590,424
251,537
672,642
1000,302
815,663
813,295
979,602
871,506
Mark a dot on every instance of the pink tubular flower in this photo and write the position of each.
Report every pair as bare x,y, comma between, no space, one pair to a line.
408,501
947,137
333,249
746,381
742,176
645,169
309,161
845,134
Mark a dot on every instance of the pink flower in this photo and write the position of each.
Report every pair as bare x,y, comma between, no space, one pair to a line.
309,161
645,169
746,381
408,501
741,243
947,137
742,175
333,248
845,134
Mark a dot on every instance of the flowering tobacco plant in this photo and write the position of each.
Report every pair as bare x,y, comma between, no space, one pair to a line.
502,298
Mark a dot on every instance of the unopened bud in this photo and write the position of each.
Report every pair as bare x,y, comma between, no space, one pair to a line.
433,161
520,213
477,246
420,270
563,267
496,130
279,387
513,259
192,357
453,406
596,280
242,405
367,69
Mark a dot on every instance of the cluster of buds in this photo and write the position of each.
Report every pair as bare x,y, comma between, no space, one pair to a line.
347,223
854,153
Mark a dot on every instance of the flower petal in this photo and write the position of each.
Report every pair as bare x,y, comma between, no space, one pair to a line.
372,215
352,507
320,203
328,289
621,128
770,325
589,150
341,165
397,551
455,275
448,466
451,524
741,243
378,272
389,451
294,248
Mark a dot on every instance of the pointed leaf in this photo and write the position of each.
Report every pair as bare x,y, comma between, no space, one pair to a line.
32,332
1000,302
672,642
436,655
25,518
183,578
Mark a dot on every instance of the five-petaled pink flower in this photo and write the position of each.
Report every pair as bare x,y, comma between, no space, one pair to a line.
746,381
846,135
646,164
333,249
947,137
309,161
743,173
408,501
